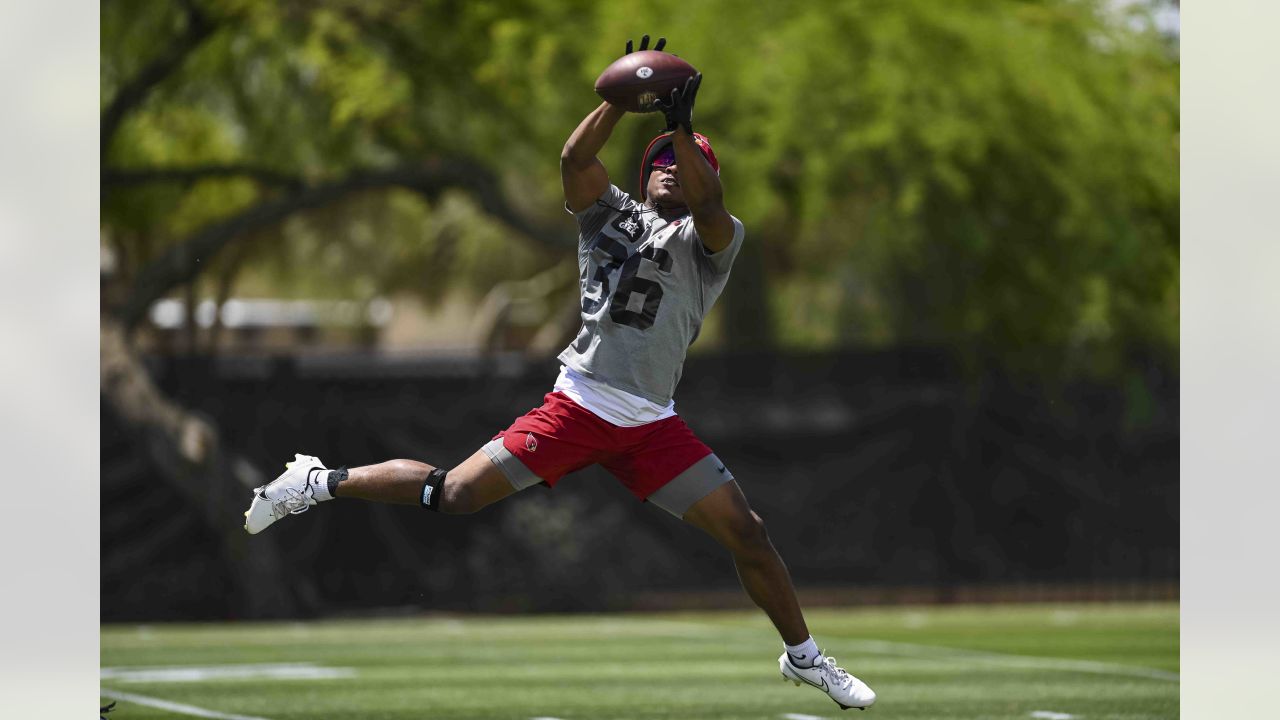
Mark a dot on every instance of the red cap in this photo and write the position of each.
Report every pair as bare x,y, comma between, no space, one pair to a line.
660,143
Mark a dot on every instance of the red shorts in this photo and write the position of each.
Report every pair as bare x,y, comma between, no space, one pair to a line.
662,461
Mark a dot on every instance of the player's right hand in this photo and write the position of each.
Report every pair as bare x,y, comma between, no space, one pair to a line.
678,109
644,44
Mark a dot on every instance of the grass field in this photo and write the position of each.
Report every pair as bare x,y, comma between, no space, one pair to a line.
999,661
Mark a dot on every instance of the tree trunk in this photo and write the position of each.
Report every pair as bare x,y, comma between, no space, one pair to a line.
186,451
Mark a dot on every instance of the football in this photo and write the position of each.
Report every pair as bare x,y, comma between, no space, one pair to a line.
636,79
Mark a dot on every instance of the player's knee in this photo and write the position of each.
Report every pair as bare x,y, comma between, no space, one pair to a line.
462,496
747,534
759,535
458,498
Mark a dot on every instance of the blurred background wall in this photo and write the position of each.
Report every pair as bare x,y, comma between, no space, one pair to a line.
882,476
946,359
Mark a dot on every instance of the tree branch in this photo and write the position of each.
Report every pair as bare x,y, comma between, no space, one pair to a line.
194,173
183,262
198,29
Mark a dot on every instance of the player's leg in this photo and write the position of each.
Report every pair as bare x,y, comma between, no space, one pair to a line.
306,482
475,483
506,464
665,463
725,515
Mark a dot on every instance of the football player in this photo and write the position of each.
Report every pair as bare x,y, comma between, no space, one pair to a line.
651,269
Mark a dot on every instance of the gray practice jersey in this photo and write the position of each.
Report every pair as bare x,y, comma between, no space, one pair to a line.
646,284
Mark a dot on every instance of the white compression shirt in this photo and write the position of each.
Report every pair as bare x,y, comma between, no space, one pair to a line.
610,404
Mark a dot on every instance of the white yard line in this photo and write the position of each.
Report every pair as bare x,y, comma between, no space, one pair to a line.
799,716
192,673
172,706
1050,715
690,628
1028,662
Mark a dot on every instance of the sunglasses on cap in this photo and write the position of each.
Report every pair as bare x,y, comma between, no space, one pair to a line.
665,159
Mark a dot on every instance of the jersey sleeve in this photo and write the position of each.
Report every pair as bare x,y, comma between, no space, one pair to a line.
720,262
612,200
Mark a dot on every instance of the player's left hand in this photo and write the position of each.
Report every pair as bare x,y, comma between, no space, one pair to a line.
644,45
678,109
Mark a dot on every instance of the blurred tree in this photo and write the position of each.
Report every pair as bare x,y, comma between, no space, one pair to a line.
1000,176
996,174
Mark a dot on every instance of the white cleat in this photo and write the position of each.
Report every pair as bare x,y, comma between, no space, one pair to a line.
847,690
291,493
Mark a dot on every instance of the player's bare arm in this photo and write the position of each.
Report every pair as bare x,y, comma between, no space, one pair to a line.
583,175
702,193
699,182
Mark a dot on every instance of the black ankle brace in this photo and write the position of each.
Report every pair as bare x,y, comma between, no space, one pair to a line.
433,488
335,477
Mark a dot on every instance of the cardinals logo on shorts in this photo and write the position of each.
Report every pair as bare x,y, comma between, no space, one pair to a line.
530,442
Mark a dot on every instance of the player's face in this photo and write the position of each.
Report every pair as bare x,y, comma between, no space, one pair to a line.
664,185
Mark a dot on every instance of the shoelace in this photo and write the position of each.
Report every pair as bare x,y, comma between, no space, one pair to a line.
842,677
292,503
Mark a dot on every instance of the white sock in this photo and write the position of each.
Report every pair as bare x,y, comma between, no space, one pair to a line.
805,654
318,479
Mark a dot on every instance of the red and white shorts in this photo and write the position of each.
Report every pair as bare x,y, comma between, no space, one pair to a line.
662,462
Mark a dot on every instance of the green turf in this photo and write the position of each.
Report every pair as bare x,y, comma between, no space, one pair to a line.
1000,661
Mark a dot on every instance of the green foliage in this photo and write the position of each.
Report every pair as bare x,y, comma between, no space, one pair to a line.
1001,175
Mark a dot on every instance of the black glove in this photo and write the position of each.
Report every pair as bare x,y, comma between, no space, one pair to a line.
644,44
678,109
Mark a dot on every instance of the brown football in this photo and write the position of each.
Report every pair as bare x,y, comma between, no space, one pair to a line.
636,79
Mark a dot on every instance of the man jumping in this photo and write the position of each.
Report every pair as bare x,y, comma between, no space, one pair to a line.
650,271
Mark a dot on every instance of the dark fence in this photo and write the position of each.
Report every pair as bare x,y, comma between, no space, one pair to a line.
870,469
